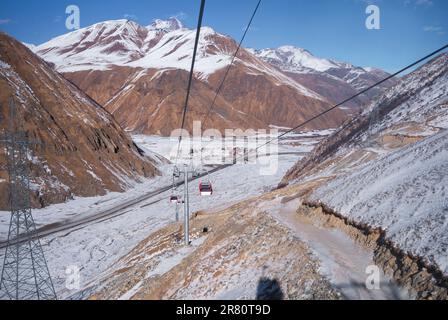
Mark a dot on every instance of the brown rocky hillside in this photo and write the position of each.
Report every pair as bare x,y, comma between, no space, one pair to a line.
83,150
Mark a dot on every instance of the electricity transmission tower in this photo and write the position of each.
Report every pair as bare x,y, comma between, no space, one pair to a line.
25,274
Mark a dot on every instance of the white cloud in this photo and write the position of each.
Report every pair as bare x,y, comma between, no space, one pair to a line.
130,16
180,16
424,2
435,29
5,21
368,2
432,29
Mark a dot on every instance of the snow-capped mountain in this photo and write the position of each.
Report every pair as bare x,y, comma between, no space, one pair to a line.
292,59
84,150
161,45
297,60
125,43
332,79
166,25
139,74
102,45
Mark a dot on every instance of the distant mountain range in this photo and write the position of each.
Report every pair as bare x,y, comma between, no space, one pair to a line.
139,74
334,80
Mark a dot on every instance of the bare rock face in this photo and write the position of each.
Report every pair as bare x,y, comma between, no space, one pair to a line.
83,150
153,104
139,74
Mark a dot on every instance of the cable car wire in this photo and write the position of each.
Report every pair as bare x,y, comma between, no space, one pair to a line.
278,138
353,97
190,80
206,117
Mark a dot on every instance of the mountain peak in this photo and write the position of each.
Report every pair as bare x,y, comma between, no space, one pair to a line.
112,23
171,24
290,58
30,46
290,48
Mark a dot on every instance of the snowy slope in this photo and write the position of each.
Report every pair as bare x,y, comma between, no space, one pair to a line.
405,193
423,100
175,49
96,47
388,168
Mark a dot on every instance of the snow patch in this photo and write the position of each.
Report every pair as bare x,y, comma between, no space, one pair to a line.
4,65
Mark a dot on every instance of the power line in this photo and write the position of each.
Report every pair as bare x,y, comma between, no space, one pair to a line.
190,80
354,96
231,64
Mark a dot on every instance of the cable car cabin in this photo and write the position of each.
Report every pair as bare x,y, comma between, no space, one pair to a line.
174,199
206,189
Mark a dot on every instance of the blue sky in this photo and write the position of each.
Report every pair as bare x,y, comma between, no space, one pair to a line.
328,28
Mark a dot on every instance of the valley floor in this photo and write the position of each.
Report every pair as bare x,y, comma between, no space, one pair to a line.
94,247
259,248
244,246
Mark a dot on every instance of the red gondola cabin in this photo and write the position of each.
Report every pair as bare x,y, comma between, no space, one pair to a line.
206,189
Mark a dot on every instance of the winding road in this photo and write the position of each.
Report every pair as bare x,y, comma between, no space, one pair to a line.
119,210
79,223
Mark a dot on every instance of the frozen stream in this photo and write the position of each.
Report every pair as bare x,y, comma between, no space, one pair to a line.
342,260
